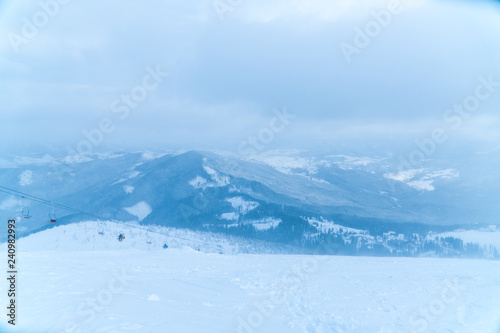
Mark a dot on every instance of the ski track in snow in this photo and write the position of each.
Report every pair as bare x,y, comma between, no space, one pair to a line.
137,288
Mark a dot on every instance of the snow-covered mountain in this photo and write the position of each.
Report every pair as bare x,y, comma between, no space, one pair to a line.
354,204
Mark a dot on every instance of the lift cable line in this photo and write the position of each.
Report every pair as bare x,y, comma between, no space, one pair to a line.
43,201
52,204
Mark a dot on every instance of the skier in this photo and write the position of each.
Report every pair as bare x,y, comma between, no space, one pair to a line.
121,237
165,246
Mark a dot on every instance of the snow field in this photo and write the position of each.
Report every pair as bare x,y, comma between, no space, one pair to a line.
71,284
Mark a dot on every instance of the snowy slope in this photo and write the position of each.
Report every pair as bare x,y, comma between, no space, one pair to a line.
65,288
85,236
483,237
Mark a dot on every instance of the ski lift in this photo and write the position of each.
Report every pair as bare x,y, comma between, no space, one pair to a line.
25,212
121,237
100,228
52,215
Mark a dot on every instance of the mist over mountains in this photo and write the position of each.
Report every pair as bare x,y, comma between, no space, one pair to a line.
293,197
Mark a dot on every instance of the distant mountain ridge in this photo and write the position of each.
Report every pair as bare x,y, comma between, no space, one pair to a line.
272,197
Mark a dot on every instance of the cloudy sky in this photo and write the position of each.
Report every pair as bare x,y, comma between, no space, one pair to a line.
346,69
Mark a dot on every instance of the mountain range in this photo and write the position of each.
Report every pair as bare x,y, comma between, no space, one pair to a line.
291,197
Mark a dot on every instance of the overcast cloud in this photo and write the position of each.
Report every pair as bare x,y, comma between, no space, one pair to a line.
226,76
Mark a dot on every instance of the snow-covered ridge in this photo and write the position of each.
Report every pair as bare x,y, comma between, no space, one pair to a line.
483,243
289,162
216,180
484,237
241,207
26,178
286,164
84,236
324,226
131,175
348,162
426,179
260,225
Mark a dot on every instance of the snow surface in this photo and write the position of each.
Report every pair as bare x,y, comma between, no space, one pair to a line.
132,175
260,225
266,224
26,178
25,160
84,237
325,226
426,181
482,237
355,161
140,209
288,161
217,180
286,164
65,284
230,216
241,207
198,182
128,189
77,158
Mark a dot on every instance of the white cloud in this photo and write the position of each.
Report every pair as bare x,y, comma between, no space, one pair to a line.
289,44
318,10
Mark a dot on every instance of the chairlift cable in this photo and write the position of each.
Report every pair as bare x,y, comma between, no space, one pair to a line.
74,210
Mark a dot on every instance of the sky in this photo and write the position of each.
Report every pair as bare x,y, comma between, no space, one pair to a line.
209,74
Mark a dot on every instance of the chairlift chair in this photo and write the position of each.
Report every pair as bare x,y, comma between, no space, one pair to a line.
100,228
52,215
25,212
